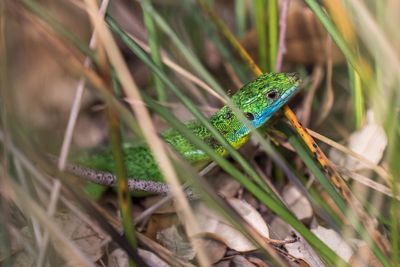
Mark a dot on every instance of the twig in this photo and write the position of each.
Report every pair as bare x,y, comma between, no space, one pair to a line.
282,35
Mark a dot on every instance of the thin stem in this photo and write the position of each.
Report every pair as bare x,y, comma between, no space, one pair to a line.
77,99
272,32
259,8
282,35
154,50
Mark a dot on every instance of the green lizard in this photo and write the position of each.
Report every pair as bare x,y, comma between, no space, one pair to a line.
258,100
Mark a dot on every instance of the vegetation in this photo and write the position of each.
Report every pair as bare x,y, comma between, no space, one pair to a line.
153,64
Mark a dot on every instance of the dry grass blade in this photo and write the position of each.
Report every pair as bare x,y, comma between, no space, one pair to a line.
68,249
378,169
77,100
55,194
181,71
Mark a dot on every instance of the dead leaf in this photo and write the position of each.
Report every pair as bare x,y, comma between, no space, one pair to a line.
118,258
333,240
158,222
89,241
225,185
302,251
279,228
215,250
370,142
225,263
297,203
176,243
240,261
250,215
257,262
151,259
212,223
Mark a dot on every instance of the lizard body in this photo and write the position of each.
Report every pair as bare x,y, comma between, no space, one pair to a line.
258,100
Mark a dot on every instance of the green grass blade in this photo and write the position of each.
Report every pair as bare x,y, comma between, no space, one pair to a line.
260,22
155,50
272,33
240,11
357,97
124,200
333,32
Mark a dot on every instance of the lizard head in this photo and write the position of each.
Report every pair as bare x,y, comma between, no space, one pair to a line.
258,101
261,98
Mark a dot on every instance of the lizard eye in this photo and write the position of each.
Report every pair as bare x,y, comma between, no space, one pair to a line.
272,95
249,116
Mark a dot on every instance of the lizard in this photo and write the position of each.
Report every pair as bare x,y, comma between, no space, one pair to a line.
258,100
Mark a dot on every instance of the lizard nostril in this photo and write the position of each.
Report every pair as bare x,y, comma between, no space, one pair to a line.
249,116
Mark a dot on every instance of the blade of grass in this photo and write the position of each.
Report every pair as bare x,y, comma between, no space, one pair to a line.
282,35
359,64
228,59
155,52
260,21
74,64
55,194
272,32
357,97
378,169
58,28
240,11
77,101
5,242
124,199
228,35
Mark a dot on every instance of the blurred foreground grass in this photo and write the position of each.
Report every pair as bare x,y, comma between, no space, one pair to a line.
347,51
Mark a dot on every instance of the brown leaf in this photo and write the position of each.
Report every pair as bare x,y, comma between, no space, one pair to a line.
176,242
90,242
